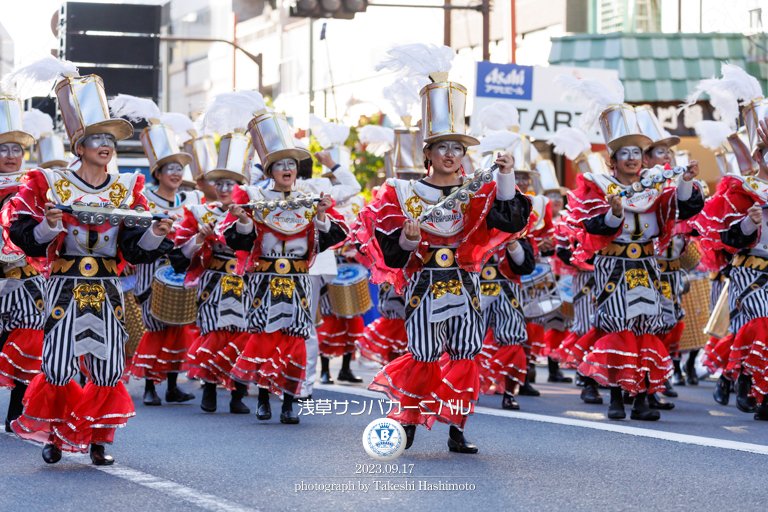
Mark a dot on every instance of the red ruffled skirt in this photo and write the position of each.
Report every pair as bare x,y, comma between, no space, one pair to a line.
21,357
162,352
203,355
535,339
77,417
622,359
562,354
428,392
671,339
336,336
716,353
552,341
496,363
273,360
383,340
749,354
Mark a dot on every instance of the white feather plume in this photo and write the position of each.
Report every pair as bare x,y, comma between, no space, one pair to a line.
713,134
498,139
299,143
736,87
570,142
592,94
36,123
133,108
327,133
498,116
35,79
534,154
378,139
403,94
231,110
418,60
180,124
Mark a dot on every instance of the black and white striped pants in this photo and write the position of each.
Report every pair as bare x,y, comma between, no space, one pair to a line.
145,275
671,306
747,296
504,315
23,307
583,302
220,310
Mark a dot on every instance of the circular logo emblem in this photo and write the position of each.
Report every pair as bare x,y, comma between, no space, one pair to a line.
384,439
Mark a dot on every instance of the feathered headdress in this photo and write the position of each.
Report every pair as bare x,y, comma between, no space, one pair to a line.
37,123
328,134
232,111
499,116
419,60
37,78
736,87
378,139
134,109
713,134
593,94
498,139
403,95
180,124
570,142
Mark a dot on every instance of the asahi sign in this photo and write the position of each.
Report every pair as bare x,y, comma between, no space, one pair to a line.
532,91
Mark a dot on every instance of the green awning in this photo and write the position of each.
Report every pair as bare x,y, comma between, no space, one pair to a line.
657,67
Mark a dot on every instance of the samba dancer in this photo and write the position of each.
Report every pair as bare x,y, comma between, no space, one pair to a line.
620,232
282,236
162,351
22,286
84,301
437,263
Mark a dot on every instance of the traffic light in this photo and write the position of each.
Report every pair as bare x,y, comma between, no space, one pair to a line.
341,9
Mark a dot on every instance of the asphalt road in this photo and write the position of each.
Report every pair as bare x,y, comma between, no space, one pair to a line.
558,454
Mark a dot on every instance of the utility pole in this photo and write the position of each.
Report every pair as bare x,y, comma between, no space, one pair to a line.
513,32
311,66
486,9
447,23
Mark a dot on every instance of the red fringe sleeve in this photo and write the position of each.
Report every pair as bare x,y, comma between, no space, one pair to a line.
548,230
587,202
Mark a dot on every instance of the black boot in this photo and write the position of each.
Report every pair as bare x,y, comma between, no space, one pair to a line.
264,412
150,396
287,416
590,394
744,402
655,402
458,443
410,433
679,380
531,373
669,391
208,403
616,407
345,374
508,401
236,405
51,453
555,375
100,457
15,406
628,399
325,371
762,410
526,389
722,392
174,393
690,369
579,380
641,411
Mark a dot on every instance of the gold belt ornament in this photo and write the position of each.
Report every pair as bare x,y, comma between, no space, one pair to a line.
637,277
220,265
89,295
666,290
282,285
15,273
232,284
492,289
753,262
444,257
669,265
632,251
440,288
489,272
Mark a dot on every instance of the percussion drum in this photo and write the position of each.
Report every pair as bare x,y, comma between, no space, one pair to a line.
540,294
133,323
692,257
172,303
720,319
565,287
349,293
696,306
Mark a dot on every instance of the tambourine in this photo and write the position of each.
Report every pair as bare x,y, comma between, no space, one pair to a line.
98,215
461,194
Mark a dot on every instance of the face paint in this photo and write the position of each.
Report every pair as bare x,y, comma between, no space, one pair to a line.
285,164
629,153
173,169
554,196
225,185
449,148
660,152
98,140
11,149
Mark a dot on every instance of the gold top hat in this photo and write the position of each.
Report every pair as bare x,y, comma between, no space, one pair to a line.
160,146
234,153
408,154
50,152
650,126
273,139
548,177
84,109
442,112
755,111
592,162
739,142
203,152
11,125
618,124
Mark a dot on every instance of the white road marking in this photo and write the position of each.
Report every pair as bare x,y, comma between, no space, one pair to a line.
595,425
193,496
